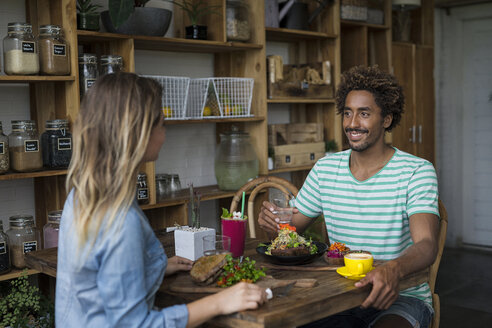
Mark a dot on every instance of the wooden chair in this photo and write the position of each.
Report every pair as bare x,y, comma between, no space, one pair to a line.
443,228
256,186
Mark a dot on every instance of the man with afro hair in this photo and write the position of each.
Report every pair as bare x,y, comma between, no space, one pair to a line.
377,198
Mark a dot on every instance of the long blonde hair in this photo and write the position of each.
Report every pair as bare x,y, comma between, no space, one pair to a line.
110,137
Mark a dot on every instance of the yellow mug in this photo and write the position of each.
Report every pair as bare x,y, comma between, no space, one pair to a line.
358,262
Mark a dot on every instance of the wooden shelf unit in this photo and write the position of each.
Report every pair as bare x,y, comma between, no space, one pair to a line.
15,273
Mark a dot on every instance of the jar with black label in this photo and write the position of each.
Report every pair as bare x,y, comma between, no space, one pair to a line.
23,238
56,143
237,20
54,52
24,147
51,229
111,64
142,189
87,72
20,50
4,251
4,151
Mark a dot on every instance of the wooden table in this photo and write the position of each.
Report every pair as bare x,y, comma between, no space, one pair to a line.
302,305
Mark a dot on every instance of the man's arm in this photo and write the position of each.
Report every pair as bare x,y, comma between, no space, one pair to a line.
424,229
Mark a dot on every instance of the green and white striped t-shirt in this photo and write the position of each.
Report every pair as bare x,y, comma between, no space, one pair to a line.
372,214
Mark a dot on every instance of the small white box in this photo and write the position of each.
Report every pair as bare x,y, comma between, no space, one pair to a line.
188,242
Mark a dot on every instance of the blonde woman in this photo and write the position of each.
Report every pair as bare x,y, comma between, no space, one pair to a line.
110,263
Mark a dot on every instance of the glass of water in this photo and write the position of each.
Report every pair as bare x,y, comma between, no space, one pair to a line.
216,244
283,208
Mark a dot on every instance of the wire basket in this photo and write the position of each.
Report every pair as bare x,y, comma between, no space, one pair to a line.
174,95
220,97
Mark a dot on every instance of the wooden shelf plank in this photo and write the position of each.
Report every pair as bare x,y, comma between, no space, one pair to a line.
291,169
290,35
167,44
183,196
299,100
216,120
16,273
371,26
16,176
34,78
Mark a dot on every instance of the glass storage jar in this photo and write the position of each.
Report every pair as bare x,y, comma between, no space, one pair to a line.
20,50
237,20
54,52
51,229
111,64
142,189
4,251
4,151
87,72
161,186
23,238
235,161
24,147
56,144
174,184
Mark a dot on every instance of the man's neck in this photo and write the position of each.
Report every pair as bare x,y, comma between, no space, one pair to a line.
367,163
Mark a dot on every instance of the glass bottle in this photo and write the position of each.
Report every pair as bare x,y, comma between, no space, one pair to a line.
174,184
142,189
54,52
20,50
4,251
235,160
4,151
161,186
24,147
111,64
87,72
237,20
56,144
51,229
23,238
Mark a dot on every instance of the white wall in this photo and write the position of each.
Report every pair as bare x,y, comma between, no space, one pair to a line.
451,113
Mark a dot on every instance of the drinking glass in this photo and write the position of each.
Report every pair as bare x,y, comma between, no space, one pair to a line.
216,244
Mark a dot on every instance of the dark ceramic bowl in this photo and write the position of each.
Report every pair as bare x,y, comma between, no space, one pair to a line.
143,21
293,260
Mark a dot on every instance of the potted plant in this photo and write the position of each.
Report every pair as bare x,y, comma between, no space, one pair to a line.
196,10
132,17
87,15
23,305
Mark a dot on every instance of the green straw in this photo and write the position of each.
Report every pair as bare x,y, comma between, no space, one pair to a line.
242,205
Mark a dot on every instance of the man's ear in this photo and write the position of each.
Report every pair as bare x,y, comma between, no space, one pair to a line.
388,119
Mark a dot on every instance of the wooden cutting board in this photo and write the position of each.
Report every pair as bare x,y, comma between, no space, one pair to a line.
184,284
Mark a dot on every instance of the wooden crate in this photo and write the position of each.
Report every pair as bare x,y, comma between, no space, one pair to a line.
298,154
282,134
305,80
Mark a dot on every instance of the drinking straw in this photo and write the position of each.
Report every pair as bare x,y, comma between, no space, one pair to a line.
242,205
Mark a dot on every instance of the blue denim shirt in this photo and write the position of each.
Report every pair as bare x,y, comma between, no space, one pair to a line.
113,285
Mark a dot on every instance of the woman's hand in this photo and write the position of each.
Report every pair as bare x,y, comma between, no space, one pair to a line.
177,263
240,297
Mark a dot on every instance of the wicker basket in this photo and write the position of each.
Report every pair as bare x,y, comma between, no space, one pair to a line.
354,10
174,95
218,97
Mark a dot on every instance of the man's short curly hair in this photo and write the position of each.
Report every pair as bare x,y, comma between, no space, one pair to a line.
387,92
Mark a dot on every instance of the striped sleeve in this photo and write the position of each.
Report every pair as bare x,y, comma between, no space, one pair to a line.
423,191
308,200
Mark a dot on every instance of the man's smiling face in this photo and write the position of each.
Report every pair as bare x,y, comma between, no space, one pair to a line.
362,121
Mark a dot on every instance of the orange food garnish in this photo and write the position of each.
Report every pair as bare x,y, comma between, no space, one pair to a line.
287,227
337,246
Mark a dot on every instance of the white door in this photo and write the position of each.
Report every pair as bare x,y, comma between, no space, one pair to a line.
477,131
